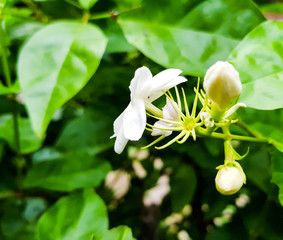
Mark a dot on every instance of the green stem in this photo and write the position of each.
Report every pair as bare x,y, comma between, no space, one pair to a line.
16,127
242,125
100,16
7,194
112,14
238,137
4,54
201,132
7,75
10,194
86,16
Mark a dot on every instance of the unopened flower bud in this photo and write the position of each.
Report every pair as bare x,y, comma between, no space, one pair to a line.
222,84
207,119
229,180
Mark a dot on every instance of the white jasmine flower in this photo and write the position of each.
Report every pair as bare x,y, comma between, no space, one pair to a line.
119,182
155,195
222,84
144,88
169,113
229,180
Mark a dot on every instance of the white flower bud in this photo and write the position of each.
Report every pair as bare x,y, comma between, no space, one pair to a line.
222,84
207,119
229,180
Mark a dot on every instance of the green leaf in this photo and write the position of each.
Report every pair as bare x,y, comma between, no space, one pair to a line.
15,88
29,142
116,39
79,216
276,7
67,172
257,168
55,64
89,132
266,124
183,185
19,218
118,233
277,171
259,60
87,4
2,5
24,29
190,35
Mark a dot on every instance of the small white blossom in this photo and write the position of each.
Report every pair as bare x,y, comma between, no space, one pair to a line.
144,88
222,84
155,195
119,182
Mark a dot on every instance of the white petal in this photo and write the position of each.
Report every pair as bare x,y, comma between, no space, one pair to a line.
121,141
118,124
163,78
134,120
142,76
161,124
157,92
174,82
234,109
169,112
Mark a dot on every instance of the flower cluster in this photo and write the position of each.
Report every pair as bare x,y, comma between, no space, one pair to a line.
222,87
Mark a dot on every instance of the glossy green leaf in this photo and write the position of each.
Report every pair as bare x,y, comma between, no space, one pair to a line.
89,132
257,168
277,171
67,172
183,185
118,233
78,216
29,142
265,124
259,60
24,29
190,35
55,64
87,4
116,39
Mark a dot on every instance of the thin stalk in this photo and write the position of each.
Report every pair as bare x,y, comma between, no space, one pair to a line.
201,132
242,125
7,194
16,127
86,16
7,75
112,14
238,137
4,54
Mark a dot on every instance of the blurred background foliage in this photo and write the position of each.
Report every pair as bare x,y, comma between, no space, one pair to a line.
64,181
